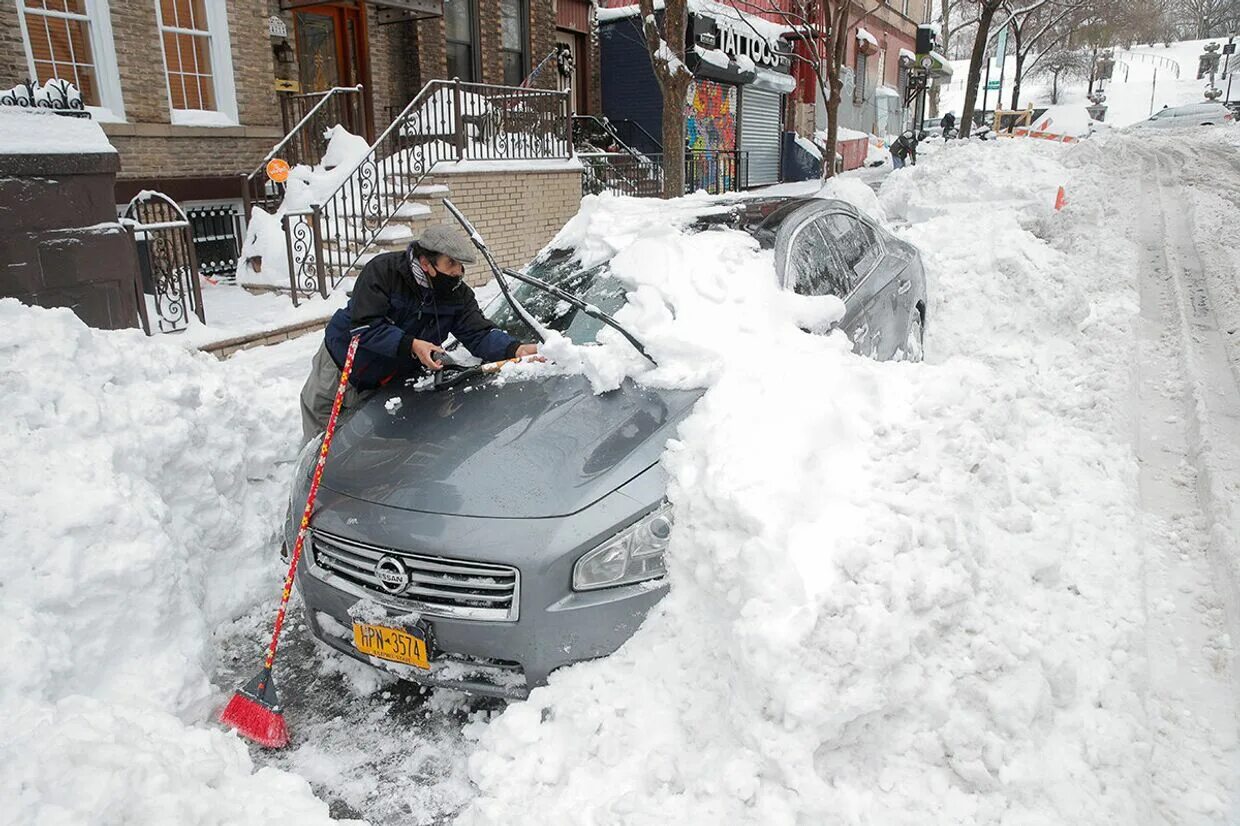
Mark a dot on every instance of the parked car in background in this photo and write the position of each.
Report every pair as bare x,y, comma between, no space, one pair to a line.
1210,113
481,536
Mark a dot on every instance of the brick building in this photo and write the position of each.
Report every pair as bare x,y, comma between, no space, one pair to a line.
193,93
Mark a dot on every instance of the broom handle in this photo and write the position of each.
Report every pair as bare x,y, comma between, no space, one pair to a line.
305,515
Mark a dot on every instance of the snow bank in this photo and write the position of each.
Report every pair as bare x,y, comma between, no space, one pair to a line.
939,188
900,594
143,492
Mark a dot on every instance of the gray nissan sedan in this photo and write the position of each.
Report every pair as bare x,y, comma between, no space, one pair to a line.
481,535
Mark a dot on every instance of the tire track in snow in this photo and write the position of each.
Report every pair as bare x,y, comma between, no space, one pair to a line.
1191,696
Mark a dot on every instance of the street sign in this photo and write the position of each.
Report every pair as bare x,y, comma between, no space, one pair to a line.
1229,48
992,86
1001,46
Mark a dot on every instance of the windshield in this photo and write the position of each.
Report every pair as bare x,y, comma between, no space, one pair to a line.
560,268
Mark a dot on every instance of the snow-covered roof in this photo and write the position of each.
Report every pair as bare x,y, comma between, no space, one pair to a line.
864,35
908,54
40,132
886,91
724,15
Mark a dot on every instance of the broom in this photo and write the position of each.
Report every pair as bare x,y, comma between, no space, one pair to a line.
254,710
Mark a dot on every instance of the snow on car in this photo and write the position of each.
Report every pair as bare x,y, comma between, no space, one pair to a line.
521,526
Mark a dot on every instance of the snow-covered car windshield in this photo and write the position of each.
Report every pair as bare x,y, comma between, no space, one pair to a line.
560,268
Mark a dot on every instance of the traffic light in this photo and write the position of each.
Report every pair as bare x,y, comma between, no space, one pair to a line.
926,39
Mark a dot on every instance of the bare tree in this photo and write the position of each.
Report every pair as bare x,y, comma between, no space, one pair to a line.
667,57
1037,30
1208,18
986,10
822,29
1064,64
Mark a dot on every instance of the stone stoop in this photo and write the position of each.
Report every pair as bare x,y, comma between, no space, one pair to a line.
423,209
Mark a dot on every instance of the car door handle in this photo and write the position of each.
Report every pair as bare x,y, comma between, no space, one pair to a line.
905,286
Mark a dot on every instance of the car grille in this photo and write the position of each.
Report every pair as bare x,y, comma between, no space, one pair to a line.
437,586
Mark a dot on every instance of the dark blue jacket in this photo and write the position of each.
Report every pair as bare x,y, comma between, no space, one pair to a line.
390,310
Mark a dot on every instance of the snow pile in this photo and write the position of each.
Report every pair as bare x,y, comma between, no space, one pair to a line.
40,132
264,237
900,594
144,487
1016,174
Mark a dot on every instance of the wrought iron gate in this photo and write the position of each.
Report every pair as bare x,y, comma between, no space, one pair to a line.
162,234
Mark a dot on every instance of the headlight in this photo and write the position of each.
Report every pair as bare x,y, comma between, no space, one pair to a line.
634,554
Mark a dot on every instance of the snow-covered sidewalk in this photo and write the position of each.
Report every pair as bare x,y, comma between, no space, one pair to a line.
993,588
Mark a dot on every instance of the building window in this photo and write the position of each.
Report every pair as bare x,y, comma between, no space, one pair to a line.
513,17
198,61
461,35
72,40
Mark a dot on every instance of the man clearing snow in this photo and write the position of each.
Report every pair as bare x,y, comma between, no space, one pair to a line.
903,148
404,305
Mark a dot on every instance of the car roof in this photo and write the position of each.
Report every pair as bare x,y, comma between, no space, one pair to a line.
762,216
1204,106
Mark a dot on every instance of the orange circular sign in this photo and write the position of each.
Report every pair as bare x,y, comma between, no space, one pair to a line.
277,170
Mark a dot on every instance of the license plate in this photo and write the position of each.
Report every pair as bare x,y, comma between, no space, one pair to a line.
393,644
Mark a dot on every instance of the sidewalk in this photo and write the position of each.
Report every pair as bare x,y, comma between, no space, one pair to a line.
238,319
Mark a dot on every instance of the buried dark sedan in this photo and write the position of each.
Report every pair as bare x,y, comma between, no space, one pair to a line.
482,535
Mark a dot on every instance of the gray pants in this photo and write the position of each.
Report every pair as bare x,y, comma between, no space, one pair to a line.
319,393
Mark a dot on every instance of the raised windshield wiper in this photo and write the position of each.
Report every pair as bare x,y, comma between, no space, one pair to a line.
587,308
530,321
476,237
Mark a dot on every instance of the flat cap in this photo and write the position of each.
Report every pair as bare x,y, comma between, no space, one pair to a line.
449,241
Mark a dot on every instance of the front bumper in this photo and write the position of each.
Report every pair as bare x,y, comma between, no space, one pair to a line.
555,625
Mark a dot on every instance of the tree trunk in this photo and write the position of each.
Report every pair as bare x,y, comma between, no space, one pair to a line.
833,124
975,66
1055,88
674,95
667,55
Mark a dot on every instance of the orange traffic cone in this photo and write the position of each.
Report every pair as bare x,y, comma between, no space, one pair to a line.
1061,199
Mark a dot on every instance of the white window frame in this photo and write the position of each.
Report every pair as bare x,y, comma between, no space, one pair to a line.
111,108
225,112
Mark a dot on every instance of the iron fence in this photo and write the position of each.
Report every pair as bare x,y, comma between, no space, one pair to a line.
713,170
446,121
716,170
306,121
162,234
622,173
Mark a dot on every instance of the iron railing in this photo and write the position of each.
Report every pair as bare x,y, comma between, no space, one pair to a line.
446,121
633,134
714,170
306,120
621,173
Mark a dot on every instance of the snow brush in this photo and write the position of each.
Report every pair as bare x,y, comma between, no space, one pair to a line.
254,710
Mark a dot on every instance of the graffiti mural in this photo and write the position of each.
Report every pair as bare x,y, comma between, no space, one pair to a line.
710,115
710,136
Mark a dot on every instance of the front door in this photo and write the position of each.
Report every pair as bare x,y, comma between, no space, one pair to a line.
332,51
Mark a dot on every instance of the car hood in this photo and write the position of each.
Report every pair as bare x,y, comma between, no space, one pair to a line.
537,447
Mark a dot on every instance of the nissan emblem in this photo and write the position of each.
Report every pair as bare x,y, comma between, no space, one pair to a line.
392,575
